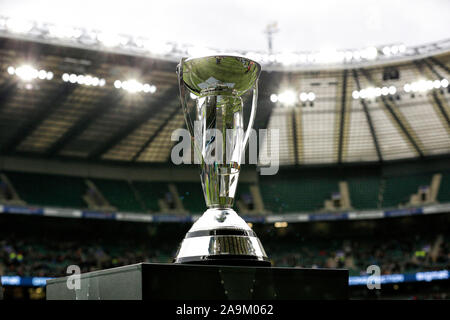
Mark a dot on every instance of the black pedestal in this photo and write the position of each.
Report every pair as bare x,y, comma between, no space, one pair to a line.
148,281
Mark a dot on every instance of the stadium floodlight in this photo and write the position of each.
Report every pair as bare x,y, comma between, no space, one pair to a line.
444,83
355,94
73,78
254,56
157,47
134,86
385,91
88,80
102,82
394,49
65,77
28,73
377,92
49,75
287,58
392,90
356,55
273,97
311,96
407,87
329,55
387,51
110,40
363,93
370,92
11,70
64,32
287,97
303,96
436,84
42,74
95,81
348,55
197,51
80,79
402,48
370,53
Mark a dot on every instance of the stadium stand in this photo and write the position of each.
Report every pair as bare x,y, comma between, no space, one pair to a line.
191,194
151,193
26,252
307,194
364,192
297,193
49,190
120,194
444,190
398,189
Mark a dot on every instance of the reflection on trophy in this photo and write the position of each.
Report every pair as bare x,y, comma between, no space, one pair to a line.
216,126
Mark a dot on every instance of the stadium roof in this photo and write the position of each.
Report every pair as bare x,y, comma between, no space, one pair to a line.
233,24
352,115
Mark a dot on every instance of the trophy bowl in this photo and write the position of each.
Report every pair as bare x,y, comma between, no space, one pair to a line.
216,124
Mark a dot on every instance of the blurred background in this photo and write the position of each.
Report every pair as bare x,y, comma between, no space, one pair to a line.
359,92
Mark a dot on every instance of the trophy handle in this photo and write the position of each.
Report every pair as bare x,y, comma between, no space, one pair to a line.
184,106
252,113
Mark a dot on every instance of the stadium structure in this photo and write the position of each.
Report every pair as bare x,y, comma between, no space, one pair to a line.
86,178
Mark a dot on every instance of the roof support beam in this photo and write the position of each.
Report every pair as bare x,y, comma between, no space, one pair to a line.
109,102
155,134
396,117
43,111
6,91
158,106
342,120
440,64
294,135
438,102
368,118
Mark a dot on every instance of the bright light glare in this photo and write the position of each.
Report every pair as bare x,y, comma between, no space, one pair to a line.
27,73
392,90
287,97
303,96
118,84
11,70
311,96
273,97
65,77
73,78
19,25
134,86
407,87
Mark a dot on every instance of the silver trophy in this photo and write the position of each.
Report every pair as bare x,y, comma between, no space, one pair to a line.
216,124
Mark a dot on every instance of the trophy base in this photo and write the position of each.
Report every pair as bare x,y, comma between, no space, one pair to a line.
221,237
